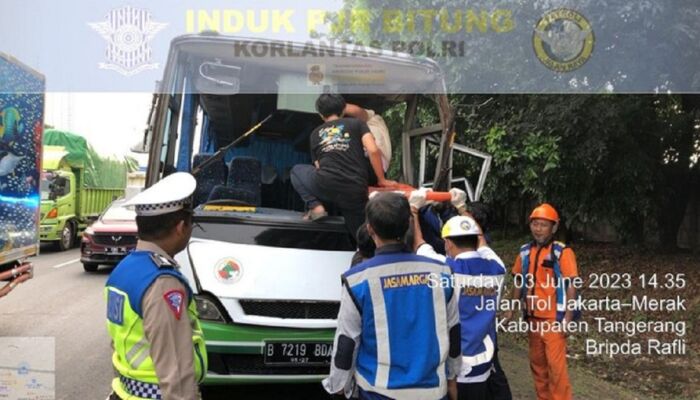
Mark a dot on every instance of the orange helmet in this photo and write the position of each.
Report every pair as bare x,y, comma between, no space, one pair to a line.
545,211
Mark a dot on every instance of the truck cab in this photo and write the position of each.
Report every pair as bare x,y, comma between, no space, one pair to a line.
59,222
68,205
267,282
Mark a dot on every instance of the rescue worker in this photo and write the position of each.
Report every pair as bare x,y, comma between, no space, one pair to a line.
542,295
379,130
151,314
365,246
478,279
340,170
397,334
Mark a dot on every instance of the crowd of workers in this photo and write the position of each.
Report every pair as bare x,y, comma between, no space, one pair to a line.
412,322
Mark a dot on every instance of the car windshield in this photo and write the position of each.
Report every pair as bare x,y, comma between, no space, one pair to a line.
119,213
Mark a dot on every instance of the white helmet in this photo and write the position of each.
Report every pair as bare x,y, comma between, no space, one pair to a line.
460,226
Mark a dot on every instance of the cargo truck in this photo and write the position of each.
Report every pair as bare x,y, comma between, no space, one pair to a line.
21,128
76,186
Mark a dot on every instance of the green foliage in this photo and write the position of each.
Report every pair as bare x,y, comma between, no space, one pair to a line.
394,120
629,160
522,160
620,159
635,42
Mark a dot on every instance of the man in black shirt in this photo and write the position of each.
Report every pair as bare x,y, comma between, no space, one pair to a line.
339,174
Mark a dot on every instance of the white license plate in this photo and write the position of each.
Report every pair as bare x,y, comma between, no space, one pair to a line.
116,251
298,353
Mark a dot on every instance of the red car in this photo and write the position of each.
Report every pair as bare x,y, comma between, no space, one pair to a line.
109,239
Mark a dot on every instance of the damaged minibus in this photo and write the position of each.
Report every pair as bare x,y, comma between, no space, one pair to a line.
266,281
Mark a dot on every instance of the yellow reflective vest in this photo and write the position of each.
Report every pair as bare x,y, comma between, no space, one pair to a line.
124,293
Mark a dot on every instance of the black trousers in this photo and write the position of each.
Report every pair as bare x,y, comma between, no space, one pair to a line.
498,382
473,391
351,204
495,388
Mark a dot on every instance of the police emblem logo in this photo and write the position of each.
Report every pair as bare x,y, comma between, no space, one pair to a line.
316,74
174,299
228,270
128,32
563,40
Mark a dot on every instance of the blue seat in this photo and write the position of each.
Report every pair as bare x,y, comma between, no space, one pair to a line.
245,173
207,179
244,196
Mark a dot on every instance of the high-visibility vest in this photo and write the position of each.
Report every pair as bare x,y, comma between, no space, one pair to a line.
478,323
124,293
401,357
561,284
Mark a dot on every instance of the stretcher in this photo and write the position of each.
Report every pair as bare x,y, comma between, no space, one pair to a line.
406,190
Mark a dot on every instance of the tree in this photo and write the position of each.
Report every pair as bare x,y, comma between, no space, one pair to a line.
640,46
623,159
630,160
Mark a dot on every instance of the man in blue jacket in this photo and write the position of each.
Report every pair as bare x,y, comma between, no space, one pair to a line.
398,332
478,280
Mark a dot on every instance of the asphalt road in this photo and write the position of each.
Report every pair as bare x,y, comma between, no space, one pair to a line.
65,302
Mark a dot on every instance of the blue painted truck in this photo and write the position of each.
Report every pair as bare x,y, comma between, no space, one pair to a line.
21,128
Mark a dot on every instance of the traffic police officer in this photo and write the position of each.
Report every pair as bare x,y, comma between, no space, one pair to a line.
398,328
151,314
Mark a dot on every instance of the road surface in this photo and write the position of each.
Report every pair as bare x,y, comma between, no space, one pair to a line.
64,302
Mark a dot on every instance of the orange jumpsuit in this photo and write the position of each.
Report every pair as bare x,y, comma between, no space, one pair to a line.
548,349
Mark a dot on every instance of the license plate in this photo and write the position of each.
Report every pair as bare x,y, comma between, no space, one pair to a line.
298,353
116,251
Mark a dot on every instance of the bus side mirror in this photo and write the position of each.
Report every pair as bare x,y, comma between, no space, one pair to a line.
140,147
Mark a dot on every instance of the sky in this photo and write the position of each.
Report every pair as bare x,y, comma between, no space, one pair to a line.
111,122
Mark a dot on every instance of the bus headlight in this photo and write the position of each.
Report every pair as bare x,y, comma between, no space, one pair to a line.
208,310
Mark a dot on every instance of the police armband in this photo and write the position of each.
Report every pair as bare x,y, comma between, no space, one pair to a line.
344,353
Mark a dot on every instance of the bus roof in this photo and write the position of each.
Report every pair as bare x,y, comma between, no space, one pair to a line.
348,68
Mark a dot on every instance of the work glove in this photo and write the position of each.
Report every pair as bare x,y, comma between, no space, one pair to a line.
459,199
418,198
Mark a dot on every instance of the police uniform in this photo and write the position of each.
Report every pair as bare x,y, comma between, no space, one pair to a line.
158,343
397,334
478,277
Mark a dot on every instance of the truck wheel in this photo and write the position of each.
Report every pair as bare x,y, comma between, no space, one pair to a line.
90,267
65,242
